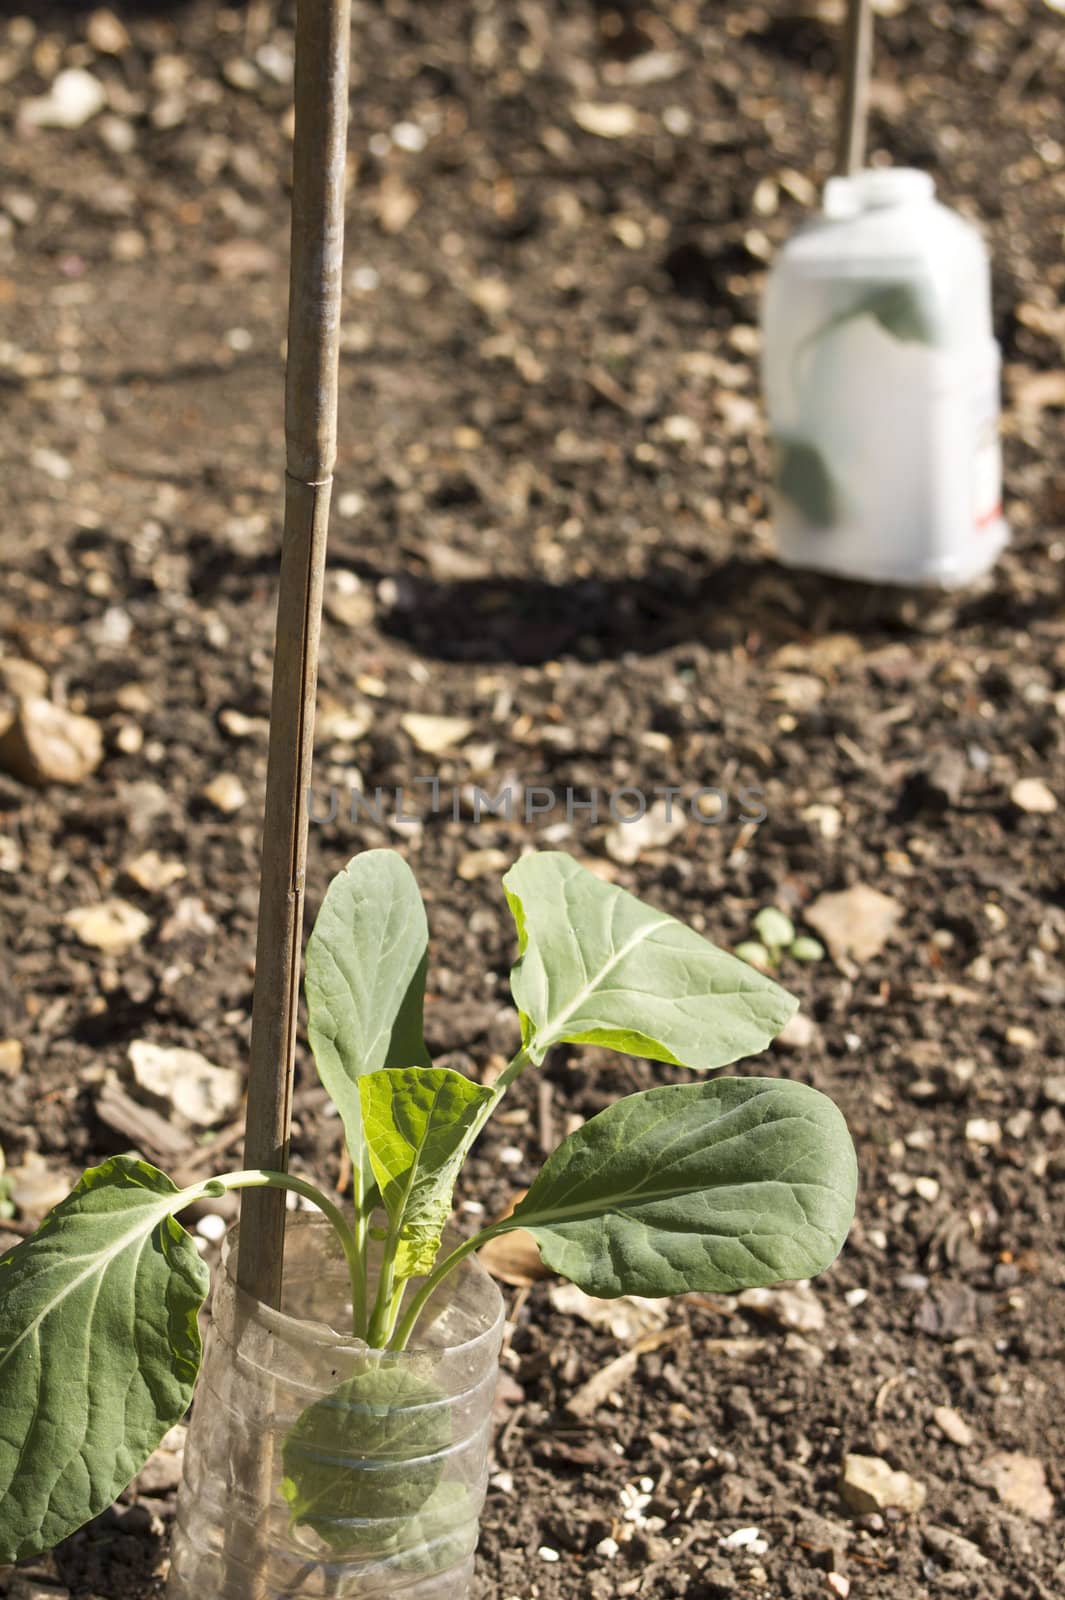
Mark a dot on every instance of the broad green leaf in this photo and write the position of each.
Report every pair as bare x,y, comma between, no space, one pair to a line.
442,1534
712,1186
597,966
418,1122
365,983
99,1350
365,1458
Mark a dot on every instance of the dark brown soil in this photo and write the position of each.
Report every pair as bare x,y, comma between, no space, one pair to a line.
525,536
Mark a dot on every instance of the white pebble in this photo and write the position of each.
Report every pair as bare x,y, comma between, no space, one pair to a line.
212,1227
408,136
546,1553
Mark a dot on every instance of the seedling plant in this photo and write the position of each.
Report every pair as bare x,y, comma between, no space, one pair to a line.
707,1185
775,938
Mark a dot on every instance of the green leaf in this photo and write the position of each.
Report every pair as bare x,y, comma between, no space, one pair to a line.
369,1453
418,1122
903,310
597,966
712,1186
807,949
775,930
802,476
365,983
99,1350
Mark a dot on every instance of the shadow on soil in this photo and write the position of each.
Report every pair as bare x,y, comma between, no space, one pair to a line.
740,602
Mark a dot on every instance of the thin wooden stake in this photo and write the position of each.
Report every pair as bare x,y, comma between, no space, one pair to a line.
319,156
857,69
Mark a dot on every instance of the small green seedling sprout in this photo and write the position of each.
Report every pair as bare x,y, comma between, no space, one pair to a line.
713,1185
776,939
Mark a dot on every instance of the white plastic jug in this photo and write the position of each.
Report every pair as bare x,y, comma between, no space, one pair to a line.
882,381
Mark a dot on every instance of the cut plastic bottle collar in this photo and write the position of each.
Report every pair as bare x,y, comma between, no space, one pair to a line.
872,190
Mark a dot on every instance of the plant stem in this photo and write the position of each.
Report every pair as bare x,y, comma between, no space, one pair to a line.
262,1179
380,1322
402,1334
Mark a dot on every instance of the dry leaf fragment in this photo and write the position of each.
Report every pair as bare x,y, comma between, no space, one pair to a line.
199,1091
1020,1483
433,735
627,1318
856,922
113,926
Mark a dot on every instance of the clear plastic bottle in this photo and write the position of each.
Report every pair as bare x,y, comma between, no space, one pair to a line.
316,1467
881,375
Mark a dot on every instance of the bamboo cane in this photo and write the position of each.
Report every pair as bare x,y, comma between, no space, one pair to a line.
318,168
857,68
323,30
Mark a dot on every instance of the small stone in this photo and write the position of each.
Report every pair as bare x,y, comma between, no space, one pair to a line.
1034,797
1020,1483
23,1587
36,1186
73,99
10,1058
800,1032
212,1227
954,1550
1054,1089
113,926
482,864
24,679
868,1483
749,1539
1022,1038
225,793
238,726
106,33
347,600
433,735
659,826
198,1090
189,917
45,743
161,1472
952,1425
606,119
154,874
982,1131
926,1188
797,1307
340,724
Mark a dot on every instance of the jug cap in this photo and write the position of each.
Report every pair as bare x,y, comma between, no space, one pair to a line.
876,188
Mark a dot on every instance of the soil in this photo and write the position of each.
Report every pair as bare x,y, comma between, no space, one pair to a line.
551,521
